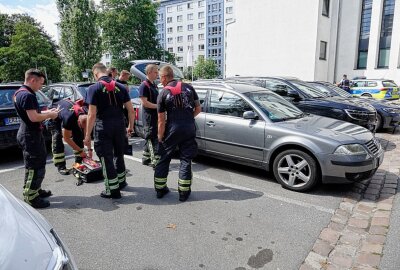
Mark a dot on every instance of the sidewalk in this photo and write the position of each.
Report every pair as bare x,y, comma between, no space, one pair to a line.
364,232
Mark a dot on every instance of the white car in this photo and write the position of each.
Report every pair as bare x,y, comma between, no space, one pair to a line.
27,240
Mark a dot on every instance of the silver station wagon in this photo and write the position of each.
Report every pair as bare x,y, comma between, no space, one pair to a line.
253,126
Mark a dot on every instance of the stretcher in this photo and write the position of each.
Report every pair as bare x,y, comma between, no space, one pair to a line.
88,171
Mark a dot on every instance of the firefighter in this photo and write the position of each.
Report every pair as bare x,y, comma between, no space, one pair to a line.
30,138
177,106
148,93
106,100
70,125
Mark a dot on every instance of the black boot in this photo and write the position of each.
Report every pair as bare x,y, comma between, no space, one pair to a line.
162,192
63,171
146,162
184,195
114,194
39,203
44,193
122,185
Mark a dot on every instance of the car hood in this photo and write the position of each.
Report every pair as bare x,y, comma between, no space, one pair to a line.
328,128
343,103
23,243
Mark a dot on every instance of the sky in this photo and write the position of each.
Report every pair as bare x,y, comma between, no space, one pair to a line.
44,11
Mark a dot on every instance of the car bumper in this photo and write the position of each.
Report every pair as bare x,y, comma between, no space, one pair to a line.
350,171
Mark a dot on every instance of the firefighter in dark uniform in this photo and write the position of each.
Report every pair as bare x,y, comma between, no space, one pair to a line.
70,125
345,83
30,138
123,79
177,106
148,93
106,100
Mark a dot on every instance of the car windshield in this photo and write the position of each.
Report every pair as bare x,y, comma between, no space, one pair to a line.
389,84
308,90
339,91
83,89
275,107
133,92
178,75
324,90
6,98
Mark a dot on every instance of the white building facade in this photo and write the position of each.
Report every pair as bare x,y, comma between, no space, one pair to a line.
314,39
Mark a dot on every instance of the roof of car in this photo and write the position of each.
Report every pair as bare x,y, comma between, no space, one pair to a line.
71,83
262,77
238,86
372,80
141,61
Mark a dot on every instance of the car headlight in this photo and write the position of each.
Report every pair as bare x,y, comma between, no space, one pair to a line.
391,110
350,149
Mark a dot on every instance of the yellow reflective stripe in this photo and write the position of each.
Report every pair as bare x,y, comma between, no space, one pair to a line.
160,180
30,194
184,182
160,186
105,174
113,181
58,155
183,188
121,175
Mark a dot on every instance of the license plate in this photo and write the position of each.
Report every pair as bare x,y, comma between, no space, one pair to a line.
12,121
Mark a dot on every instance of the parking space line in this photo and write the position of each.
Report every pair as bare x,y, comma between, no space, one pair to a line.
265,194
23,166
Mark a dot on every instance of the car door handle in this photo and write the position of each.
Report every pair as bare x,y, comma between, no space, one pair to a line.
210,123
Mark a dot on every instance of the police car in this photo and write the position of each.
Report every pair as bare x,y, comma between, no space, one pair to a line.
379,89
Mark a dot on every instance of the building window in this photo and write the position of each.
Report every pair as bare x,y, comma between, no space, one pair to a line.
200,3
201,47
325,7
108,63
386,33
180,49
190,38
179,18
170,49
322,50
179,39
190,5
201,25
169,30
201,15
179,59
179,8
214,18
363,40
190,27
179,28
107,55
170,40
201,37
190,16
169,9
169,20
229,10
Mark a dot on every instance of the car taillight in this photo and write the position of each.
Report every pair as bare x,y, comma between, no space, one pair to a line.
137,114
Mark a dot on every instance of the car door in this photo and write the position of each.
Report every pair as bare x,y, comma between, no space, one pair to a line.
201,119
227,133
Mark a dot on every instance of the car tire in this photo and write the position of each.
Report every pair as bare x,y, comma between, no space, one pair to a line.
379,122
295,170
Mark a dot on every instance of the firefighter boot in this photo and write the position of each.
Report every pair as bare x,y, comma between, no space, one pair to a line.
162,192
44,193
114,194
184,195
39,203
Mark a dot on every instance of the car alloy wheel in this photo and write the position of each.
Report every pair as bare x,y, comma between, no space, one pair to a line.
378,122
295,170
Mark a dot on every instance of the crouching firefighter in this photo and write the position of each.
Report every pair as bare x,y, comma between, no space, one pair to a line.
106,100
148,93
30,138
70,125
177,106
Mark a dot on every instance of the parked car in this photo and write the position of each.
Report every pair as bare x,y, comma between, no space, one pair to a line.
311,100
28,241
376,88
250,125
388,115
138,69
70,90
9,119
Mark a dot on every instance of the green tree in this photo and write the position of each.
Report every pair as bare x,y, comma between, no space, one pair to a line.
129,31
205,68
28,48
80,37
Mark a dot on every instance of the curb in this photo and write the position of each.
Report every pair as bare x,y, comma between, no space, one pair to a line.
355,237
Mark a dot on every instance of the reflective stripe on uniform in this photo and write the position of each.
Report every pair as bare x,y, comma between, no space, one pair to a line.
77,153
160,183
184,185
30,194
58,158
122,177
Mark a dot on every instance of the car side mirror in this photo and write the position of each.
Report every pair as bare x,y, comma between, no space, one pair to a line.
250,115
293,94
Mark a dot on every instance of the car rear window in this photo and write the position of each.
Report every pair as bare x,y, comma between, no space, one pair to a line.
134,92
7,94
389,84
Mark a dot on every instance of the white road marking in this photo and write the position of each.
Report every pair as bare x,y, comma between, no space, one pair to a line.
265,194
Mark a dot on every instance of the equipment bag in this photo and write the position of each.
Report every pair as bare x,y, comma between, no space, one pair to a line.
88,171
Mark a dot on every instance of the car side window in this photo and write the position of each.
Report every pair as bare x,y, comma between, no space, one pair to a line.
228,104
359,84
278,87
372,84
201,93
68,92
55,92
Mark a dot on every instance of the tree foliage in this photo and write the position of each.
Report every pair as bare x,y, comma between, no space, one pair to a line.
25,45
205,69
80,37
129,31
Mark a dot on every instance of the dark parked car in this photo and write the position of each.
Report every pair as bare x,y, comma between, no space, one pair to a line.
388,115
138,69
9,119
311,100
70,90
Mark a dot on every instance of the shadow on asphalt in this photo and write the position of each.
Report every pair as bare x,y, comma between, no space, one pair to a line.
387,145
147,196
